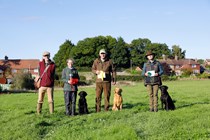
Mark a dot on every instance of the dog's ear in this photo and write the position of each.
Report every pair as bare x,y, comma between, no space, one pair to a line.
80,93
85,93
166,87
120,90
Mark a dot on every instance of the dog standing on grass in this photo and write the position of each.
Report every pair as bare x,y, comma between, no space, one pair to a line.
165,99
118,100
83,107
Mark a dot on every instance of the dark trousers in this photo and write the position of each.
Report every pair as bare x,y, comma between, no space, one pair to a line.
70,102
106,88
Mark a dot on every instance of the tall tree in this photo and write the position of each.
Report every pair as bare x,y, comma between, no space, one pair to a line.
62,55
120,54
159,50
177,51
137,50
84,52
87,50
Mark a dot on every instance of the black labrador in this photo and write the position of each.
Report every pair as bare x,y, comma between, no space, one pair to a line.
83,107
165,99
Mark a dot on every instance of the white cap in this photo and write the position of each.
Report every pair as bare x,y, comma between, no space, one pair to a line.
102,51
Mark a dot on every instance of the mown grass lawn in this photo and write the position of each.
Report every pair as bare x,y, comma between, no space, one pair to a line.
190,120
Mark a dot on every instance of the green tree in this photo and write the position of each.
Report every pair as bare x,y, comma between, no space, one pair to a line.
177,51
159,50
87,50
120,54
62,55
123,54
137,51
84,52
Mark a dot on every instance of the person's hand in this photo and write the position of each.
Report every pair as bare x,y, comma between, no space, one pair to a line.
146,74
113,83
97,72
156,74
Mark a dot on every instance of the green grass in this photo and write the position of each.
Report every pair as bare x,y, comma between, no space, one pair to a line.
190,120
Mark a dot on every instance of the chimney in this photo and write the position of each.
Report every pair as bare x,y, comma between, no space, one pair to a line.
6,58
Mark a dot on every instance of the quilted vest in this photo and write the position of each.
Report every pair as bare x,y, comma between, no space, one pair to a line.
154,80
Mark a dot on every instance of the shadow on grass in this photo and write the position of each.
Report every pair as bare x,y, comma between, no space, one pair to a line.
42,128
140,106
43,123
129,106
29,112
191,104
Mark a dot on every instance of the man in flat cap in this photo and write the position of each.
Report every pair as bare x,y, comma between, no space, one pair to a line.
105,75
152,70
47,74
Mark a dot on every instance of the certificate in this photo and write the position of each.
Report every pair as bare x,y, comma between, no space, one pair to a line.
151,73
101,75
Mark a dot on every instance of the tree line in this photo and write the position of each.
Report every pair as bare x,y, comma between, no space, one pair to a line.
123,54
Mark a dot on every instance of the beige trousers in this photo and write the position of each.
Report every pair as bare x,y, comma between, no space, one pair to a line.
42,91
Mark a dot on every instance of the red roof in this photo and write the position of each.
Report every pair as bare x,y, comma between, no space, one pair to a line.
20,63
180,61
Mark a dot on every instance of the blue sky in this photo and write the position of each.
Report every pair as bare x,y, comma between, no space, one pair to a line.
29,27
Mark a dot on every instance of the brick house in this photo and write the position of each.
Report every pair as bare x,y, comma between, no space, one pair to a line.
18,65
207,62
178,65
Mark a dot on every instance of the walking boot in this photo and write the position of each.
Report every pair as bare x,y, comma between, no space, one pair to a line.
151,110
39,108
51,107
155,109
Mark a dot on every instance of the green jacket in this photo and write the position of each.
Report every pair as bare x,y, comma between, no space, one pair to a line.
66,74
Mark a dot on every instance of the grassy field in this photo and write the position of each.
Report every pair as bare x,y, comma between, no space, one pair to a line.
190,120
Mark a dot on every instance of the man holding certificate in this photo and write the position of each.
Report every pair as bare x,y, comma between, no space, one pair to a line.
152,70
105,75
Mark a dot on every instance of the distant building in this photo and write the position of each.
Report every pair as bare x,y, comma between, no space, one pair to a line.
179,65
19,65
207,62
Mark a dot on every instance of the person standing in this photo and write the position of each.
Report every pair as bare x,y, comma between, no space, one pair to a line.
105,76
70,77
152,70
47,72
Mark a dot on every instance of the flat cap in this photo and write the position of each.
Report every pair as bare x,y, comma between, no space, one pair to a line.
46,53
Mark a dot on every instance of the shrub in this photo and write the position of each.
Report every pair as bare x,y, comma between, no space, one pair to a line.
169,78
84,69
58,83
203,75
23,81
82,78
129,78
187,72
